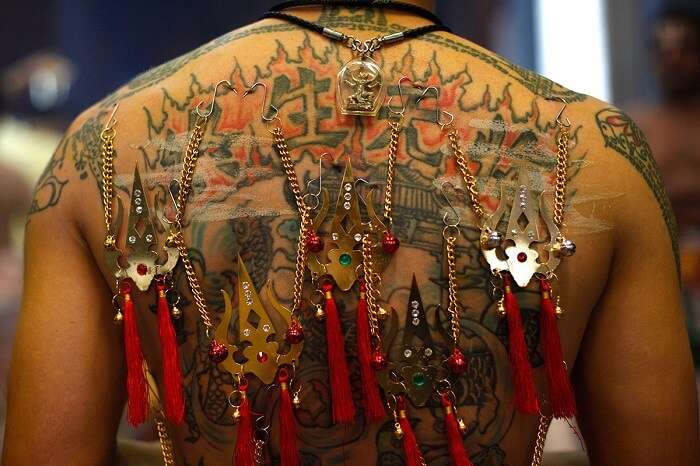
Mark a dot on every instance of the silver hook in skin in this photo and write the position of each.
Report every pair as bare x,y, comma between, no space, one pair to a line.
316,195
438,111
401,112
112,122
224,82
454,224
275,110
558,118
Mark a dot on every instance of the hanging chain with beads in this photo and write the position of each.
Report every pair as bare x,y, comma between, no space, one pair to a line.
390,169
107,137
304,221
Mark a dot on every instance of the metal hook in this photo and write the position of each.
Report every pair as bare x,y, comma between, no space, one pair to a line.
403,102
198,110
452,207
558,118
320,177
111,123
173,189
370,186
262,111
437,100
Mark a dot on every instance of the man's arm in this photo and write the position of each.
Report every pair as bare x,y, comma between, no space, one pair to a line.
634,373
66,379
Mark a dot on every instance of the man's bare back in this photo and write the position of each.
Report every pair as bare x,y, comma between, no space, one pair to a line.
623,331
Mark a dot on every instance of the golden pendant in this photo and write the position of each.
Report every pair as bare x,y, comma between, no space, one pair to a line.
259,332
360,87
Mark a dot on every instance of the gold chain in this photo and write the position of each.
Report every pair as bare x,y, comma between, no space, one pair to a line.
452,305
176,238
166,445
391,167
373,282
469,179
304,220
562,161
107,137
541,438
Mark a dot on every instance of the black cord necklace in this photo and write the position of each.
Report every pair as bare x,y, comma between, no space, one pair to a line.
360,83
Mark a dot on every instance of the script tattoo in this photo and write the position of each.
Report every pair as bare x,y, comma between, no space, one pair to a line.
623,135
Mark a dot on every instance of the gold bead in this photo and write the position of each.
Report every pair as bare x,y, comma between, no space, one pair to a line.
118,318
176,312
462,425
398,431
382,314
320,314
236,414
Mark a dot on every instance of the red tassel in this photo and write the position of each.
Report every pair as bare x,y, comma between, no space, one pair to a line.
288,429
458,453
561,395
244,454
173,402
411,451
135,377
341,393
372,400
523,381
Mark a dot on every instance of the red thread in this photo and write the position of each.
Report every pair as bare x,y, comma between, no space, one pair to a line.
411,451
135,377
288,430
523,381
458,453
341,393
371,398
244,453
173,403
561,394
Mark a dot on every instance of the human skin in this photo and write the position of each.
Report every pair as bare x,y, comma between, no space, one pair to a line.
623,332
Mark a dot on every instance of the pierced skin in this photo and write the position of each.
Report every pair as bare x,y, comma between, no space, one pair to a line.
623,331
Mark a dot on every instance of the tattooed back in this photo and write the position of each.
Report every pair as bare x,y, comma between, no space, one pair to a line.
619,291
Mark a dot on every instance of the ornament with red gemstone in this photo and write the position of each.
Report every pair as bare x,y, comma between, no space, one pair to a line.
314,242
218,352
295,333
457,362
378,360
390,242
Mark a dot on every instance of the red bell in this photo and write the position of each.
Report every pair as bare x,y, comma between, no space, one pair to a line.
378,360
218,352
314,242
457,362
295,333
390,243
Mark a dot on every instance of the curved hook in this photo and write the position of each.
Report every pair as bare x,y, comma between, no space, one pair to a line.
403,102
436,90
112,122
320,181
558,118
370,186
276,111
173,190
198,110
448,123
452,207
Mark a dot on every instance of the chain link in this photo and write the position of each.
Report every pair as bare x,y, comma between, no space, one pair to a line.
390,169
304,221
366,47
541,438
373,283
107,137
166,445
453,308
469,179
560,186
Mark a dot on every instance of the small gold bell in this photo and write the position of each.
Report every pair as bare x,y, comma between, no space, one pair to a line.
236,414
462,425
382,313
176,312
296,400
501,308
558,310
398,431
320,314
118,318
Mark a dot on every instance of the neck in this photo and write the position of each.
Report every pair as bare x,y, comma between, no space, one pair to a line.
427,4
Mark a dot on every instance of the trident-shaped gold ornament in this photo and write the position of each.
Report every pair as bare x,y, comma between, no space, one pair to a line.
260,333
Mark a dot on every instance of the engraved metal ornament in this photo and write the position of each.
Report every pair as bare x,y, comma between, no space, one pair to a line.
360,87
345,254
260,334
141,256
414,360
517,253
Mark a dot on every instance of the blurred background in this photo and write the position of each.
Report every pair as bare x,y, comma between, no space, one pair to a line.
58,57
